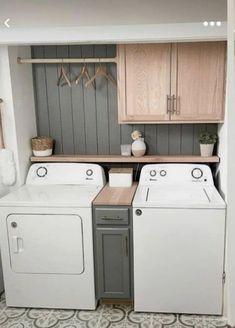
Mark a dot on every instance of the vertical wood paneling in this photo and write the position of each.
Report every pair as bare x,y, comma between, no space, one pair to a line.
162,140
151,138
175,139
90,106
85,121
40,81
77,95
102,106
187,139
53,100
114,127
65,105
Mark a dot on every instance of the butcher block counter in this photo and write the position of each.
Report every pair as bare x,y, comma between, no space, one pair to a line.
115,196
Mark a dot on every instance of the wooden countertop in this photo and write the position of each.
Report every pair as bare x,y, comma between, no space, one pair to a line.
116,196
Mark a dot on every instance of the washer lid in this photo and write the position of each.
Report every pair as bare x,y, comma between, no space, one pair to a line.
170,196
52,196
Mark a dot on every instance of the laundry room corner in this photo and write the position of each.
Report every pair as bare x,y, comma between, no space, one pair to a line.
18,113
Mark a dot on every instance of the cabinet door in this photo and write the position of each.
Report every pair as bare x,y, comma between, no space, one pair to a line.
198,74
143,82
113,262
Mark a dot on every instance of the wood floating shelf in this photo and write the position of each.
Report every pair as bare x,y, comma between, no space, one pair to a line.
127,159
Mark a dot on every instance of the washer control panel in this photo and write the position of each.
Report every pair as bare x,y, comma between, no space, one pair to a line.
176,173
65,173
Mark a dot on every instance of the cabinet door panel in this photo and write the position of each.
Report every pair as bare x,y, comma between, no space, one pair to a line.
113,262
144,82
198,73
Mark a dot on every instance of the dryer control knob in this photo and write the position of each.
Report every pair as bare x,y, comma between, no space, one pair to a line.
152,173
89,172
197,173
138,212
162,173
41,172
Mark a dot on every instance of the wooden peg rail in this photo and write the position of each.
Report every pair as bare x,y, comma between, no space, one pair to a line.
65,60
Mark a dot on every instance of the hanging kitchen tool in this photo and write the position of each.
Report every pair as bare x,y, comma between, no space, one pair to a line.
101,71
7,164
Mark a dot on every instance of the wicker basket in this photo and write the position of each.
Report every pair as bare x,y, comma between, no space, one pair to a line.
42,146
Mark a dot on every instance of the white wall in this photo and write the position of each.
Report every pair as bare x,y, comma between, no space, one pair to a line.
230,196
19,122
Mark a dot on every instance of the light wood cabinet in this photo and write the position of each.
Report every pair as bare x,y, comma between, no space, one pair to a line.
171,83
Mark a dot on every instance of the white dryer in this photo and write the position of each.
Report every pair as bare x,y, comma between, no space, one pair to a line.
179,238
46,237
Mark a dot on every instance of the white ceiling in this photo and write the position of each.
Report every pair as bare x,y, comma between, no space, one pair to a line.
65,13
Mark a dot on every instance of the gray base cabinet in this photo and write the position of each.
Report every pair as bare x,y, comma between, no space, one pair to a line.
113,252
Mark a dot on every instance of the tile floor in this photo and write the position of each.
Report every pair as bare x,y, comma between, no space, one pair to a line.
113,316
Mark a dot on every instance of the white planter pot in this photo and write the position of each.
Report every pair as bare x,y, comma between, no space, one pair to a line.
206,150
138,147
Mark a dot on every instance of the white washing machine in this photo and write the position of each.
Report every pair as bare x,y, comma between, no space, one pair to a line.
179,240
46,237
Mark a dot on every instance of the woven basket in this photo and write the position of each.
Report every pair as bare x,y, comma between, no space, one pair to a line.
42,143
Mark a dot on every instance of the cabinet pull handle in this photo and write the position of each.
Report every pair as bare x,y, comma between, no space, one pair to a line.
174,105
112,219
168,104
125,246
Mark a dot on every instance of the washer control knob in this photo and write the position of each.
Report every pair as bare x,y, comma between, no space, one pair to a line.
13,224
89,172
41,172
162,173
138,212
152,173
197,173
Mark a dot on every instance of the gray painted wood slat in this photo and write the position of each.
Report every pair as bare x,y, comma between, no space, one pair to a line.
102,105
114,127
41,97
90,106
187,139
53,100
175,139
162,139
77,99
151,138
66,106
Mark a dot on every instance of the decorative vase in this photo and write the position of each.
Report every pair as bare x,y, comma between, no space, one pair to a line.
138,147
206,150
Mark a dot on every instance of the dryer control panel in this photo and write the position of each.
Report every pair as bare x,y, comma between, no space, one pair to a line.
176,174
65,173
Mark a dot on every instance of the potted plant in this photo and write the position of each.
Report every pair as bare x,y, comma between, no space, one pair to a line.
207,141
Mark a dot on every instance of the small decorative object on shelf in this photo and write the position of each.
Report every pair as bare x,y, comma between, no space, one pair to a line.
138,146
207,141
42,146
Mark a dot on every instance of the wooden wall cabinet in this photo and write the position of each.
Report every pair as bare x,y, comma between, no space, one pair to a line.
171,83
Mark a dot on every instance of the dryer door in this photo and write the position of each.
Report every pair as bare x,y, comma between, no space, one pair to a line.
46,243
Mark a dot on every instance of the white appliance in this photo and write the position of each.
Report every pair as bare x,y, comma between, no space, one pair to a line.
46,237
179,237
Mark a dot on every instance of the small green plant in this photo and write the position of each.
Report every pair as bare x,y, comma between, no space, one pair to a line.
207,137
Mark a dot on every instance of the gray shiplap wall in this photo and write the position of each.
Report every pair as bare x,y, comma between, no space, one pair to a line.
84,121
